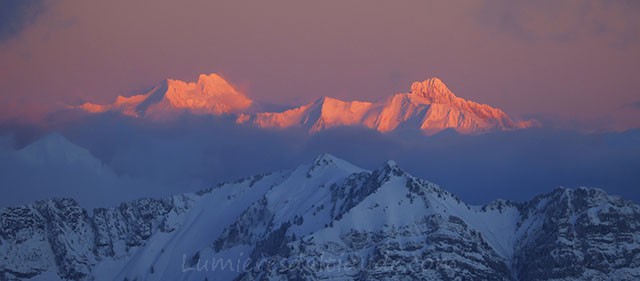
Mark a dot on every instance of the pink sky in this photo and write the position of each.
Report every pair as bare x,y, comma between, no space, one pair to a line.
568,63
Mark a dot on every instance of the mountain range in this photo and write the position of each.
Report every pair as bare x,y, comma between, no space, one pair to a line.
211,94
325,220
429,107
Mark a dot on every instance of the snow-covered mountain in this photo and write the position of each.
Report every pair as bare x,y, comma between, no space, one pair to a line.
53,166
54,149
429,107
325,220
211,94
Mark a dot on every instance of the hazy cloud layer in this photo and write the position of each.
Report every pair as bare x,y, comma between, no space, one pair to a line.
194,153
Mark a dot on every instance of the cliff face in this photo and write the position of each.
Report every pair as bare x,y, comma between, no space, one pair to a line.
59,234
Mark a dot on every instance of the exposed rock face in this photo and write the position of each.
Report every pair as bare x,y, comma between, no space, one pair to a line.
326,220
581,234
59,234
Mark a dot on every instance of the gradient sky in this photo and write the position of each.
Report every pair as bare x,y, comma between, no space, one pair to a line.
567,63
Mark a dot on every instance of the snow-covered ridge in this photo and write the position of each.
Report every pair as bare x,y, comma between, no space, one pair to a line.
429,107
326,210
210,94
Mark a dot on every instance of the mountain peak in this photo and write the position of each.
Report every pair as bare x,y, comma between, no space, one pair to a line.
326,160
580,193
55,148
214,84
210,94
391,168
202,78
52,142
325,157
391,164
327,101
435,82
55,138
429,107
432,89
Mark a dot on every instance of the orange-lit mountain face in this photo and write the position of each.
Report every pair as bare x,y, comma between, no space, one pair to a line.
429,107
211,94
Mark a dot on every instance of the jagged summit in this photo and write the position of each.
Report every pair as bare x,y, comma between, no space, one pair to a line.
326,157
210,94
429,107
328,163
214,82
432,89
326,215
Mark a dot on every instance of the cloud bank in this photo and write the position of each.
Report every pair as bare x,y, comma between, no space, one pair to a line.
141,160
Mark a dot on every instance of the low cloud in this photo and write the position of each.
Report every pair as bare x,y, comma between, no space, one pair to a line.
197,152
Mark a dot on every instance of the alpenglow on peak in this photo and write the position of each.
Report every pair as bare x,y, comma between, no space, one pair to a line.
432,89
210,94
429,107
